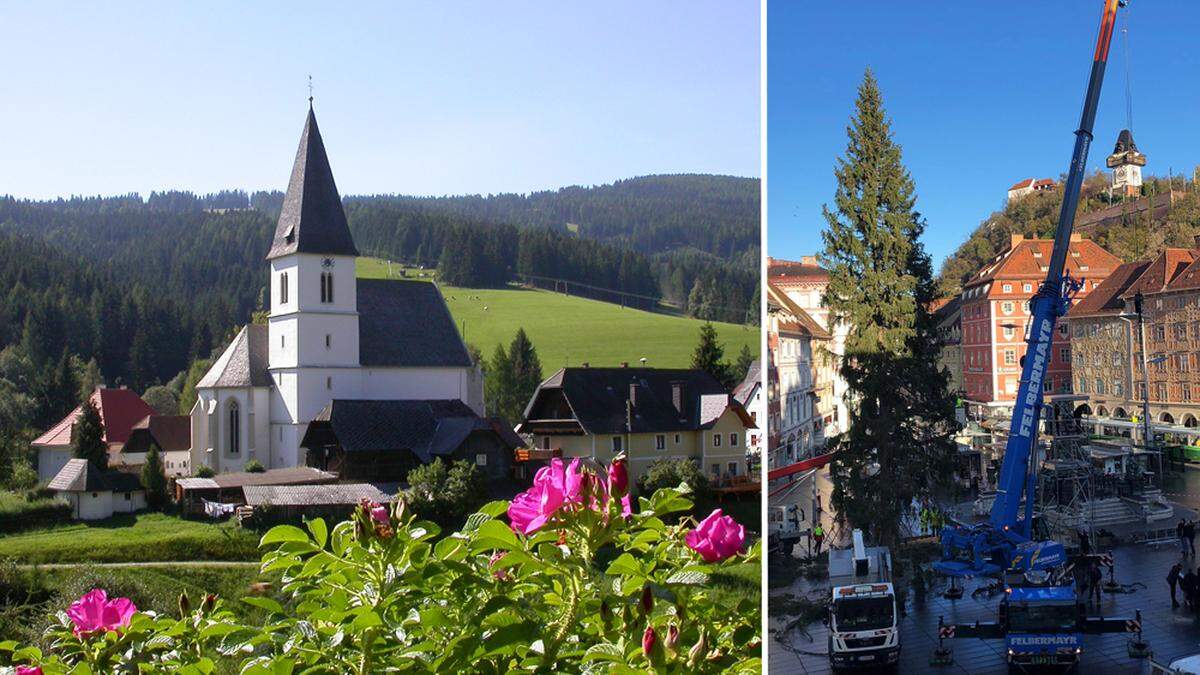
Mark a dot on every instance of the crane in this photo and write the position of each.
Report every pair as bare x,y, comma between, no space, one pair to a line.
1005,541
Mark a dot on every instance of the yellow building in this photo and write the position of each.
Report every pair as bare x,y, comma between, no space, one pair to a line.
650,414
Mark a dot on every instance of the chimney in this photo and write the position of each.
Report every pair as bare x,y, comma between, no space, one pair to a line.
633,393
1076,236
808,260
624,364
585,364
677,397
1015,239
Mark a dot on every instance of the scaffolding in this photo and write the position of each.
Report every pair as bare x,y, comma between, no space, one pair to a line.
1066,490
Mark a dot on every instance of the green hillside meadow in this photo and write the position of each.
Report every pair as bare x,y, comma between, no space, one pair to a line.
569,330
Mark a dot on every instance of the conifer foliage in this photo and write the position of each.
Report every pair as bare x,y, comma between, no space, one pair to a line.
512,377
709,356
898,445
87,438
154,479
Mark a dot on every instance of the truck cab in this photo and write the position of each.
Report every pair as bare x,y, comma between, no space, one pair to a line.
1042,626
862,616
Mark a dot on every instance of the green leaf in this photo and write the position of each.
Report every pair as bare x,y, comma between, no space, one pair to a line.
494,534
265,603
283,533
494,509
688,578
605,651
319,531
626,566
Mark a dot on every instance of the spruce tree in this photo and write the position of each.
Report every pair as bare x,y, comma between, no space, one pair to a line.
499,383
709,356
745,359
527,369
87,438
154,479
898,446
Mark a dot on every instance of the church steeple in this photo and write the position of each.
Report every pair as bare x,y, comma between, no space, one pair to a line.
312,219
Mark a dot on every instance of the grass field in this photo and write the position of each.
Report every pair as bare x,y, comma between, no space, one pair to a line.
569,330
132,538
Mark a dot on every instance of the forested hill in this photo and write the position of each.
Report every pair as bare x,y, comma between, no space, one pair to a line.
1036,215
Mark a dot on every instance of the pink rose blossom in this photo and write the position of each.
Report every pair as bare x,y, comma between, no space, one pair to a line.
95,613
553,486
717,537
29,670
618,483
380,514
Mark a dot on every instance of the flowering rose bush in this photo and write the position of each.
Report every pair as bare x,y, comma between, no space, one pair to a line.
564,578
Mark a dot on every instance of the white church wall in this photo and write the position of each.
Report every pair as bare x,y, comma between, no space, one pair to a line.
50,461
326,339
304,281
281,333
280,267
418,383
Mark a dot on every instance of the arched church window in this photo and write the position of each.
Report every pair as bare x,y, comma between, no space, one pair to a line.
235,428
326,286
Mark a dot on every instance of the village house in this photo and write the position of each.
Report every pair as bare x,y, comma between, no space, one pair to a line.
1028,187
948,315
793,337
171,434
749,393
995,314
384,440
649,414
329,336
120,409
95,494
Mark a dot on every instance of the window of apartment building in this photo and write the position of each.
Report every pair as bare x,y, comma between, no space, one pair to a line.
1048,385
1027,288
1006,307
545,442
1081,386
1185,392
733,469
1064,354
1062,329
677,439
480,459
1008,288
1160,391
1009,332
1196,330
660,441
1078,330
1159,332
1099,386
1180,330
733,440
716,469
1010,357
1180,362
1118,388
1116,358
617,444
1140,389
1160,363
716,440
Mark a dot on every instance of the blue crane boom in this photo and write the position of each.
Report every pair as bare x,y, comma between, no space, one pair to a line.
1004,533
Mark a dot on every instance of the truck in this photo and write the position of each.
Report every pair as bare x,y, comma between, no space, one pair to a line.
862,613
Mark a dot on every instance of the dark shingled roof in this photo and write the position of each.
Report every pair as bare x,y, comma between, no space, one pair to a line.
406,323
80,475
1125,142
296,475
244,361
312,219
1105,299
171,432
427,428
598,398
313,495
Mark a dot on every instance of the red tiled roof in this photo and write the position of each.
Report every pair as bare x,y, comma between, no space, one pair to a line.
1034,183
1188,278
1020,261
783,271
119,410
1105,299
1022,184
1166,268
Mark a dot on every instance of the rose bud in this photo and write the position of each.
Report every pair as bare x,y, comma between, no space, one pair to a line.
697,651
647,599
185,605
672,639
606,614
618,477
208,603
649,638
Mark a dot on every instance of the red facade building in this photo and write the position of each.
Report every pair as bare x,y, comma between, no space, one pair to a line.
995,314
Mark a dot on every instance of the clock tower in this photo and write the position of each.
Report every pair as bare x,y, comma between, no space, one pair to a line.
313,323
1126,163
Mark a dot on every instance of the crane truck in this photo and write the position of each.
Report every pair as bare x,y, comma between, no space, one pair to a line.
1041,621
862,616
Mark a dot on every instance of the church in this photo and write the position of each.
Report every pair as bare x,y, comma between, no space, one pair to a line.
328,336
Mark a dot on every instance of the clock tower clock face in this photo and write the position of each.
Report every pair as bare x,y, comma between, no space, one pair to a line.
327,262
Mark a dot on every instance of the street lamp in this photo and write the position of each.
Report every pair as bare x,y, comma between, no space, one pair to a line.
1147,433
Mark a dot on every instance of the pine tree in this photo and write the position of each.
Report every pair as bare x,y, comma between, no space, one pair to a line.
499,383
898,445
745,359
709,356
87,438
527,369
154,479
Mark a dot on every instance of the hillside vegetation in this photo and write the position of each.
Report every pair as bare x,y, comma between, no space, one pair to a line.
1036,215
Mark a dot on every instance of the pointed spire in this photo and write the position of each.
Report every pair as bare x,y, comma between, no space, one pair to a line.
312,219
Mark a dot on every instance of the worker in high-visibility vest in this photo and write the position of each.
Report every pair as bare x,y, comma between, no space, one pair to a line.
818,536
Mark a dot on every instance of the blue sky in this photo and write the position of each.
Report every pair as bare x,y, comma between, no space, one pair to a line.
981,95
416,98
